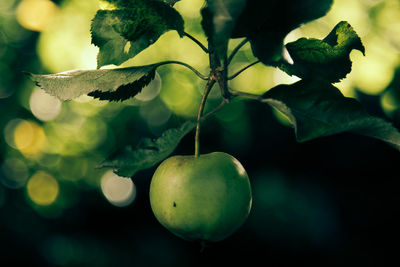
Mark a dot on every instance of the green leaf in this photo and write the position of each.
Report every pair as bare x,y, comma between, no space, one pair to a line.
106,84
219,18
266,23
124,32
317,109
149,152
327,59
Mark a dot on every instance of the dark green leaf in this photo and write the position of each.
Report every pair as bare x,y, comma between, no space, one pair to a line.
327,59
123,33
317,109
219,18
266,23
106,84
149,152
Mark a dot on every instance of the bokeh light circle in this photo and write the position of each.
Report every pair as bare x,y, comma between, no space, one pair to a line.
29,137
36,15
15,172
42,188
150,91
44,106
117,190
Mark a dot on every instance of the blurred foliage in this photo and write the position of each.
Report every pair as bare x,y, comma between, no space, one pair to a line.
58,209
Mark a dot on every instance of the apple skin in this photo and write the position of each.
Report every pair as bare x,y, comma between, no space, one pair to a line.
204,199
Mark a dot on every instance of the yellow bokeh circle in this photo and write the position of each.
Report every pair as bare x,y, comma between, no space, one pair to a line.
36,15
29,137
42,188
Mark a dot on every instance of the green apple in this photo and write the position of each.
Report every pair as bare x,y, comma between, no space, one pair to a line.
204,198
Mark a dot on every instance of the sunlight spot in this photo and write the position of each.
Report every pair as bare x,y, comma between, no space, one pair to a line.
389,103
42,188
281,77
44,106
155,113
104,5
29,137
66,43
9,130
287,56
36,15
127,47
180,94
87,54
255,80
190,9
83,99
117,190
150,91
372,75
75,136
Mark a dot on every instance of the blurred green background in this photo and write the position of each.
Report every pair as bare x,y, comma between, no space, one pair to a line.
328,202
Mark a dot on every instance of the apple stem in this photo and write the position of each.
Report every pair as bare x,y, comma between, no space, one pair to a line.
207,89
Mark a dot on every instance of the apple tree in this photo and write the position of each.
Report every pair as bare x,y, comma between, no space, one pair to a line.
207,197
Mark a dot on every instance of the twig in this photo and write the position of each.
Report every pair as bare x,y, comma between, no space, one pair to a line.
237,48
201,76
196,41
219,107
240,71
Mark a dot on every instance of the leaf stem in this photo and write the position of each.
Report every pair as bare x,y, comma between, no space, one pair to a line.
240,71
207,89
197,42
237,48
200,75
